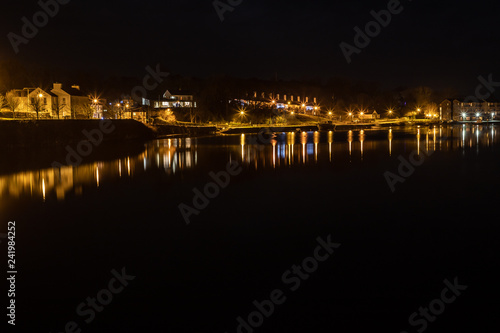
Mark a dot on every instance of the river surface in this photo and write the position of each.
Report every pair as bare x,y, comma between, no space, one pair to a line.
406,207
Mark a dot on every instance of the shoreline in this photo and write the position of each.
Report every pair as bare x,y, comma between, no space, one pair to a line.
39,133
26,156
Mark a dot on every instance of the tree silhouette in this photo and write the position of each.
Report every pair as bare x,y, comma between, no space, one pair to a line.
12,103
38,106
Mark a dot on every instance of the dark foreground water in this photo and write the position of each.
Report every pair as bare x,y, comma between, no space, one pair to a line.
263,236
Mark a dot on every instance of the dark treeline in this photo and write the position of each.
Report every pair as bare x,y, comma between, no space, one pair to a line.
212,94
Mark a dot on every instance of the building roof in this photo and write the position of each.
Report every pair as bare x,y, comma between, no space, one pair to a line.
74,92
469,100
492,100
178,92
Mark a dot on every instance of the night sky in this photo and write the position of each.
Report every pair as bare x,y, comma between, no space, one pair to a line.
437,43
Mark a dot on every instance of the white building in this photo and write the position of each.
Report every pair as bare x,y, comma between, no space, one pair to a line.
31,100
58,103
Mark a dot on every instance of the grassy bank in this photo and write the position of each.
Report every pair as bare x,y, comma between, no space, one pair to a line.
18,133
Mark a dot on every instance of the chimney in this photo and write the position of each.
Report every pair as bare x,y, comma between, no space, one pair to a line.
57,86
77,87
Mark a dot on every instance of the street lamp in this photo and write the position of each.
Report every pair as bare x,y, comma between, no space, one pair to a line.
119,109
38,106
95,104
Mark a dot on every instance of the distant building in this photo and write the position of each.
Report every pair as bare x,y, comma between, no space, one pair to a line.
99,107
462,110
72,102
58,103
369,116
446,109
287,103
172,100
31,100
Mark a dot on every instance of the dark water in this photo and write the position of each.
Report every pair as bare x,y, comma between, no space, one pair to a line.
76,224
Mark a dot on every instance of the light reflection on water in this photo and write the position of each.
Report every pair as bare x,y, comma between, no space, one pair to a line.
171,156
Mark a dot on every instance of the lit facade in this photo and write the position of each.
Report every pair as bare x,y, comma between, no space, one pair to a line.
58,103
31,100
171,100
287,103
460,110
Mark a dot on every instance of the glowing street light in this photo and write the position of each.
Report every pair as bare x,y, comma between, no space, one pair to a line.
120,110
95,107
